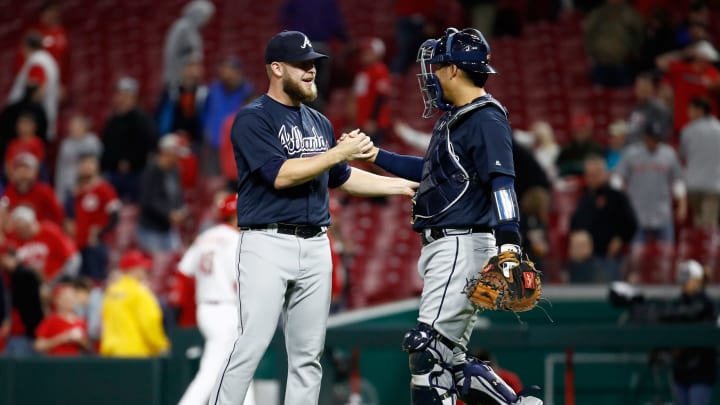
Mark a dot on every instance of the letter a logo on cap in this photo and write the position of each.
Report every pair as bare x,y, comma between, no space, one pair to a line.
306,43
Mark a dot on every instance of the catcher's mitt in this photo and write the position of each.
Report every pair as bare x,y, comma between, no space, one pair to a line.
517,289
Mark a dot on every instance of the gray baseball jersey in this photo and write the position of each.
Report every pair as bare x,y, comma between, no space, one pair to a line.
649,177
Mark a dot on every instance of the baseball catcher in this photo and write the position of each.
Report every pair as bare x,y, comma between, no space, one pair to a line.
508,282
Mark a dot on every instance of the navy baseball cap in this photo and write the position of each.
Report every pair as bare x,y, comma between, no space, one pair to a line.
290,46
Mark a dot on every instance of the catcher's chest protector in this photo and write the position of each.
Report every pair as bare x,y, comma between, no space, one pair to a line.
444,180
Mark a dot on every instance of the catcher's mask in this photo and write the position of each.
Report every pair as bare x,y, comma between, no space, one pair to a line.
467,49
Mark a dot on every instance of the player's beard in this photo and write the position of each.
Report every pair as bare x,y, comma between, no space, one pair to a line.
296,91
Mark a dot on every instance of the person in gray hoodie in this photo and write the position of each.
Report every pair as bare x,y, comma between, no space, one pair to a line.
183,40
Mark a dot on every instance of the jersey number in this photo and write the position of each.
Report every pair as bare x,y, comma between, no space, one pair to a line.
206,263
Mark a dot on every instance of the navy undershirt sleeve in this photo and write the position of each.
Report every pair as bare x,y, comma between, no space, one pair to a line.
509,231
407,167
270,170
339,174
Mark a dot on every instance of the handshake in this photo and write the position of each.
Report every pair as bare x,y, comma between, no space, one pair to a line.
356,145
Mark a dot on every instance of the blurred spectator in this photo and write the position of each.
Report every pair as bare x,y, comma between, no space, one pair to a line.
132,324
95,212
648,108
613,38
162,207
27,141
688,78
700,146
79,142
28,104
534,212
188,163
39,77
371,90
582,266
53,37
658,37
89,305
228,168
653,176
511,378
230,91
183,40
63,332
529,173
608,217
694,27
694,368
26,309
415,21
322,21
618,134
25,189
43,246
128,138
572,156
545,148
181,105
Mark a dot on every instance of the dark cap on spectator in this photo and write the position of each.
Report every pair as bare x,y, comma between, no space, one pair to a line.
654,130
290,46
133,259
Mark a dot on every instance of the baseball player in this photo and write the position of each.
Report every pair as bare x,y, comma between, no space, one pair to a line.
466,212
287,158
210,260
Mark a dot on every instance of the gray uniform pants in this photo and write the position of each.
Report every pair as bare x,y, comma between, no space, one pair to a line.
279,275
445,265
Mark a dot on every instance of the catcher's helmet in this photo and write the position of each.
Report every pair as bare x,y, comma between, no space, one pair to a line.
467,49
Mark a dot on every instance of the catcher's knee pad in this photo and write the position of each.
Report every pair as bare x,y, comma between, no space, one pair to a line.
477,384
429,361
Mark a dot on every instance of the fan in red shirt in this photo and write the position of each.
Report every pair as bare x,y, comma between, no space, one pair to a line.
54,37
25,189
42,245
372,89
27,140
688,79
96,209
62,333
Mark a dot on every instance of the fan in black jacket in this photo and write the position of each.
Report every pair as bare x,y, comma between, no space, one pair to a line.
694,368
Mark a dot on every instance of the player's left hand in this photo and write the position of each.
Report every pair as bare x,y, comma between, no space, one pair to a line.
508,282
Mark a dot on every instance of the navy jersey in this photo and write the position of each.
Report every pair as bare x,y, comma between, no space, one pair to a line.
482,143
264,135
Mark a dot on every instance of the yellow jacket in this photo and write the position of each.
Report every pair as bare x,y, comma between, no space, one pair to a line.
131,321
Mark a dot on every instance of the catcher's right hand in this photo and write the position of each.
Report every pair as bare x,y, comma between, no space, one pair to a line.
508,282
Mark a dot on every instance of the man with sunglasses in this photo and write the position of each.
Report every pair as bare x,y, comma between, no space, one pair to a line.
287,158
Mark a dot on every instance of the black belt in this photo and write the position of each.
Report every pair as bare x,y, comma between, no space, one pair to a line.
301,231
429,235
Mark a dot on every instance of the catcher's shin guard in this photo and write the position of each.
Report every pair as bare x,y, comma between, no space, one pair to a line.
477,384
432,378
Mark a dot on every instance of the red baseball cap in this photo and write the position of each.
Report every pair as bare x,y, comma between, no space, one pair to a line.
134,258
227,207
